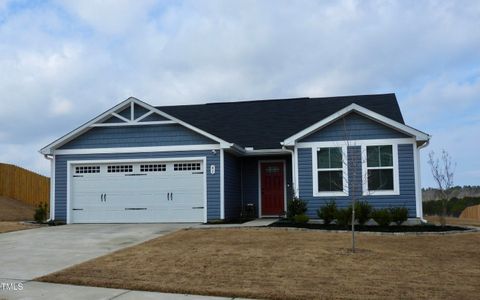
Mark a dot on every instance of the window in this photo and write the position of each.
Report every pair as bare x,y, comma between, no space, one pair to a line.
153,168
120,169
380,169
330,171
87,169
186,167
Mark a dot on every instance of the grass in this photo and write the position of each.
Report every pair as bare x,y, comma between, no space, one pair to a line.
453,221
14,210
15,226
290,264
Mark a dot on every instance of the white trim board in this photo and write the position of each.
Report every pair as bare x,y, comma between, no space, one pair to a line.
137,149
124,104
71,163
52,188
259,170
419,135
222,184
418,182
353,143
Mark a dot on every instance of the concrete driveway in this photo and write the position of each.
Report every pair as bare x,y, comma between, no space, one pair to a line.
32,253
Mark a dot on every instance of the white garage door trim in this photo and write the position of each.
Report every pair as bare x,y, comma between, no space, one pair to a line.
71,163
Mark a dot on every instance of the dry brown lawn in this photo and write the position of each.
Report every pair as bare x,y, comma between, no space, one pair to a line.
15,226
15,210
453,221
290,264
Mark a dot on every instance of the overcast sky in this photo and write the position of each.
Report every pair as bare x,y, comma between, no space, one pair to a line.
64,62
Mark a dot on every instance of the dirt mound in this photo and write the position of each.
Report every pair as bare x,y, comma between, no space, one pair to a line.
14,210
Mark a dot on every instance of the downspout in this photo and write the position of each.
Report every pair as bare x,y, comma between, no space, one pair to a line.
420,175
51,158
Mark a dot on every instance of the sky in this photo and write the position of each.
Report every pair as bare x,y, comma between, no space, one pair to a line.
64,62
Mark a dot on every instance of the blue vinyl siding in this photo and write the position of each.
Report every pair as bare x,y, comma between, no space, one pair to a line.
113,119
406,180
353,127
139,111
213,180
153,117
137,136
250,178
232,186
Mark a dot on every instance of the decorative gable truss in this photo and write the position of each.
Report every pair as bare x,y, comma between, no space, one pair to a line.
420,137
131,112
131,115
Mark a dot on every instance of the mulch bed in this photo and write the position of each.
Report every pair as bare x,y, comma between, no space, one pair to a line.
371,228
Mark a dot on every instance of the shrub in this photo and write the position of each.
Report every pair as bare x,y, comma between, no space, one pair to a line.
399,214
363,211
302,219
344,216
383,217
41,211
295,207
327,212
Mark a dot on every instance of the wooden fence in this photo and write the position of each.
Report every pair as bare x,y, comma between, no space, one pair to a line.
24,185
471,212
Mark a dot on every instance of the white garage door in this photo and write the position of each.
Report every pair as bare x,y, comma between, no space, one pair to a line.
138,192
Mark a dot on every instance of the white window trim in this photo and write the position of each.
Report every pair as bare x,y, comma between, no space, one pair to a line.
396,180
344,169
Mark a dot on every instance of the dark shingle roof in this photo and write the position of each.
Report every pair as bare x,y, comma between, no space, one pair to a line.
263,124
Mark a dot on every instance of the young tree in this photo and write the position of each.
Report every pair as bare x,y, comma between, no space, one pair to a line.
443,170
354,176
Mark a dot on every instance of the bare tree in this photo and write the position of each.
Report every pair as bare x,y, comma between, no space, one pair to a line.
443,170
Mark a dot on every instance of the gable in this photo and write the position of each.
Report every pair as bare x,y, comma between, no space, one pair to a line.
353,127
137,136
133,123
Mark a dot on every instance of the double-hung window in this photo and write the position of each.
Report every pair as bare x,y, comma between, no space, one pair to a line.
329,171
381,170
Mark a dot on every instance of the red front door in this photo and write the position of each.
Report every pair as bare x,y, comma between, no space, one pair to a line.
272,188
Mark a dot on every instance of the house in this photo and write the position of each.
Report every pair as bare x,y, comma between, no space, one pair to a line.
198,163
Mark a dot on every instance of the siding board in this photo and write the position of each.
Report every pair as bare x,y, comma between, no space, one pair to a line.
232,186
353,127
137,136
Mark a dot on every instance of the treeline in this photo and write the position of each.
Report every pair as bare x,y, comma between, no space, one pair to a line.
455,206
459,192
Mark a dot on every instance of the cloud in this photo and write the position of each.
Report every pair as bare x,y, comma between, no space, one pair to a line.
112,17
63,62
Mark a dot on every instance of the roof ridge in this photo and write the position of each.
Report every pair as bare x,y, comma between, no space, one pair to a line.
279,99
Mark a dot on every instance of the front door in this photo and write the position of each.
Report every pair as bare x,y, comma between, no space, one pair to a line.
272,188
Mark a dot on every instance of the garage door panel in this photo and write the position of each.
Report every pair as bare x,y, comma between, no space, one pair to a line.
153,196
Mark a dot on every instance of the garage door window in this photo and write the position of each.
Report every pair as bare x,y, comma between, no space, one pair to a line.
187,167
120,169
153,168
87,169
